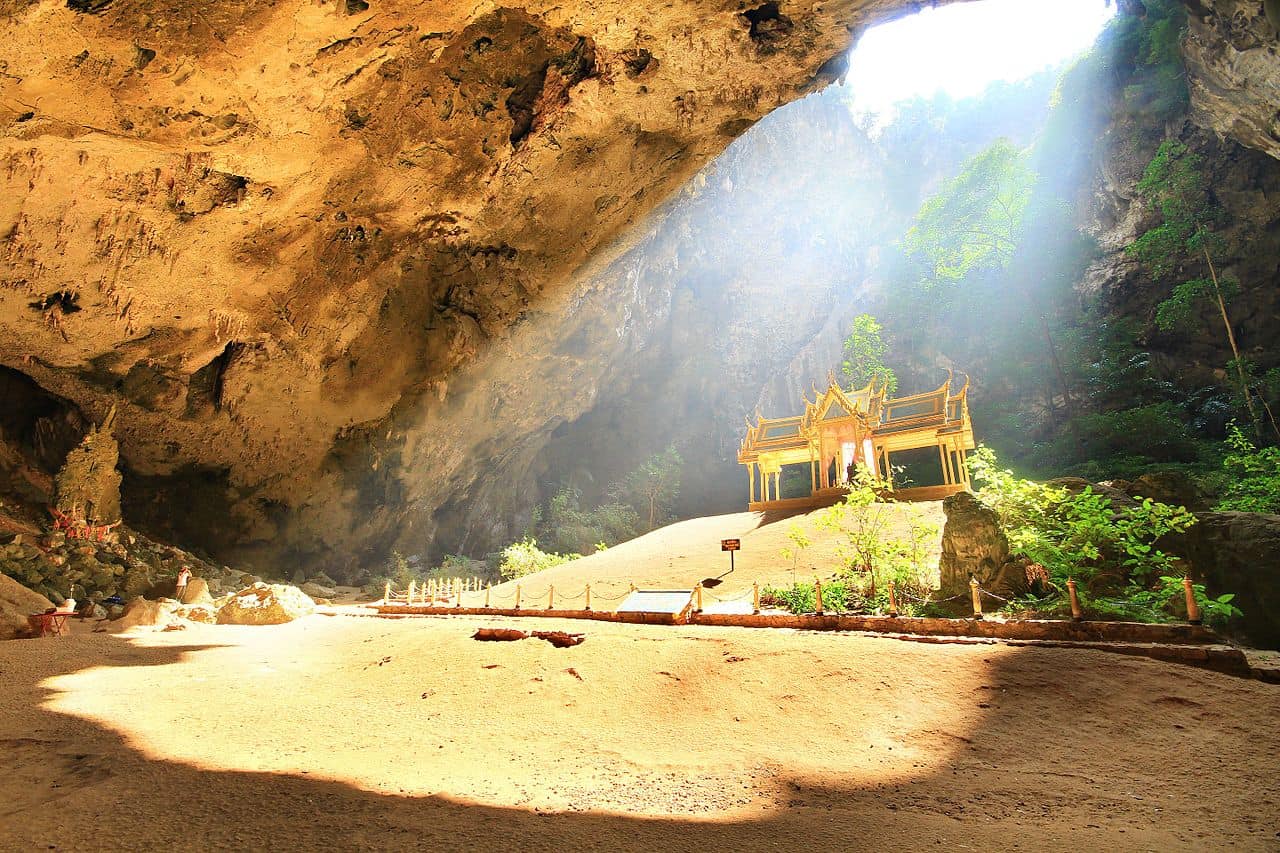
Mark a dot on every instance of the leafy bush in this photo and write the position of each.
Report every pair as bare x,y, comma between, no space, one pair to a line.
1254,484
1165,601
869,553
397,572
569,528
1083,535
524,558
837,597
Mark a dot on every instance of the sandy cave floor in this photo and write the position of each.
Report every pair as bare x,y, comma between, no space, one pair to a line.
680,555
346,732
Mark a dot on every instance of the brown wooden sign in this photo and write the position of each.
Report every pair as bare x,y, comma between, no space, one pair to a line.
730,544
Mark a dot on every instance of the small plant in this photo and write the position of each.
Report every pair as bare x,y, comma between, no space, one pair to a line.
524,558
871,554
800,543
1254,475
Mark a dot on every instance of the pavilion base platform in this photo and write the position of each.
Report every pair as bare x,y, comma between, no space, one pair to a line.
830,497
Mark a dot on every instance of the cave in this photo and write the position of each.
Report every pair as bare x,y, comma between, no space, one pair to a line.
394,322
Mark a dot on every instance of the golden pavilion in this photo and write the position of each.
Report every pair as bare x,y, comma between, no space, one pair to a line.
840,429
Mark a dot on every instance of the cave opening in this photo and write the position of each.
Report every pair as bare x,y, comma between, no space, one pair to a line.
42,426
206,386
772,249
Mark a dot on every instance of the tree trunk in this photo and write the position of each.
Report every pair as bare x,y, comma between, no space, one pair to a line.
1235,350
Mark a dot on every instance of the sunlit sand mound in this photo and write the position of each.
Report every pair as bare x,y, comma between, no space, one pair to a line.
680,555
359,733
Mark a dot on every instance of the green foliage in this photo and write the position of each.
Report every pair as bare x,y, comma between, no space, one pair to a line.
653,487
461,566
1160,85
1175,186
837,597
397,572
864,356
1164,601
972,224
567,527
871,553
1254,484
1083,535
524,558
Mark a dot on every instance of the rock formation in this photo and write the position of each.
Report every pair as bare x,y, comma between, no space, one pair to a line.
336,263
1238,552
87,487
1233,59
16,603
973,545
299,244
265,604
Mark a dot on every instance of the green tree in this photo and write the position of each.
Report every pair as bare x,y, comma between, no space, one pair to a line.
1175,186
653,487
864,352
972,224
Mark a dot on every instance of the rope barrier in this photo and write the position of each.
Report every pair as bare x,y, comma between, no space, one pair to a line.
739,597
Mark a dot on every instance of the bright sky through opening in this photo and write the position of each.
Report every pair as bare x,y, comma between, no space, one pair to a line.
961,48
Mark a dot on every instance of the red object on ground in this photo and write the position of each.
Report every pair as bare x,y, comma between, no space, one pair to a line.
48,624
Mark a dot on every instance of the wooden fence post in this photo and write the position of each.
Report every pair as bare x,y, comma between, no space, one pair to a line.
755,597
517,596
386,593
588,605
817,596
457,592
487,588
1193,609
1076,613
697,598
975,593
551,597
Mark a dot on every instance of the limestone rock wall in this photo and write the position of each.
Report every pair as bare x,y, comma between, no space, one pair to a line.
300,244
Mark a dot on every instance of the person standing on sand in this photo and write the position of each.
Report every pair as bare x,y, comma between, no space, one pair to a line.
181,586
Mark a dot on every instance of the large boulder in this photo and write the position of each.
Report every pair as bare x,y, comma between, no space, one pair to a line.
1238,552
315,590
1075,485
145,613
197,592
1169,487
265,604
16,604
973,544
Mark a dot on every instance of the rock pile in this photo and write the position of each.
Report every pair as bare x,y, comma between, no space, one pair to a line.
131,565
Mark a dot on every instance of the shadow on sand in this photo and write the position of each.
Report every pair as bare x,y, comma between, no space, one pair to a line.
1018,781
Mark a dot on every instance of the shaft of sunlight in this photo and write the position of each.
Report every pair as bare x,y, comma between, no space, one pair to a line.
961,48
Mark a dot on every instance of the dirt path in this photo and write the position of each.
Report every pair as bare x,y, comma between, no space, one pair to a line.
359,733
